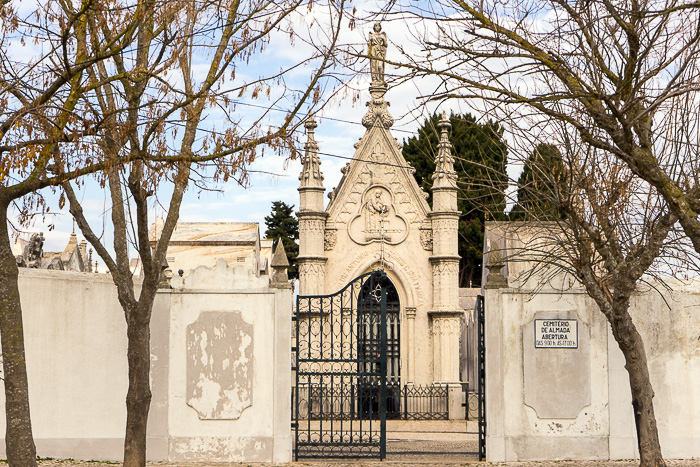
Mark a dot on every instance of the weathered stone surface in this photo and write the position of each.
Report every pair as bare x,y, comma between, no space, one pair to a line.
220,365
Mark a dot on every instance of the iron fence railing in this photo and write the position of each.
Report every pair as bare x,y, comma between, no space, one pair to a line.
350,402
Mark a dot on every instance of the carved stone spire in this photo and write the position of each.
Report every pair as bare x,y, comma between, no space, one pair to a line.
445,261
311,175
312,219
445,175
378,113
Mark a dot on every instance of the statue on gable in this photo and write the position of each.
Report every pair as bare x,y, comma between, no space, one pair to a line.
377,54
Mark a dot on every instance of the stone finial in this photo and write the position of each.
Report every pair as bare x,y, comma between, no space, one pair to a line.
166,274
279,266
495,279
445,175
311,175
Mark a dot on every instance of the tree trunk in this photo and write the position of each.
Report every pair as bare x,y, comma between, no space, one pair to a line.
632,346
19,441
138,398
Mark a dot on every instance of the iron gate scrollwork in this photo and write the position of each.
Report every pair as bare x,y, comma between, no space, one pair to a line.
340,396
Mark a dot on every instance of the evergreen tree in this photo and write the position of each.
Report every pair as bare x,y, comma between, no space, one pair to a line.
480,162
541,186
281,224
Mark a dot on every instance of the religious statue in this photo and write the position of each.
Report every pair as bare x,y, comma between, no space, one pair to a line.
376,219
377,210
377,54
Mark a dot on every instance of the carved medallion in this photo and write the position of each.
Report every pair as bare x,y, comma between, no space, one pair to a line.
377,219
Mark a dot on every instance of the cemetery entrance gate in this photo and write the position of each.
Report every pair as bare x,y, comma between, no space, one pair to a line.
340,356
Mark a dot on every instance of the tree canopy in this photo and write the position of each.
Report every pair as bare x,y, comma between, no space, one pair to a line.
143,95
480,162
282,225
614,85
542,185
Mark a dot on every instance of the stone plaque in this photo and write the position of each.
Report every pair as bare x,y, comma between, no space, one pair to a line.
556,382
556,333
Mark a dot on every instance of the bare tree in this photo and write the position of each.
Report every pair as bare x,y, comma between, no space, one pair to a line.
625,75
180,71
614,80
613,233
44,55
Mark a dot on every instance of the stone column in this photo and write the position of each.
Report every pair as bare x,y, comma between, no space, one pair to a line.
281,404
446,313
495,391
312,220
445,221
411,344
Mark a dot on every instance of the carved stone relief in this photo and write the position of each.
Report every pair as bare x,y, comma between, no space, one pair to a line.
380,172
312,225
402,197
354,198
426,239
445,267
378,114
446,326
445,225
329,239
377,219
219,365
309,268
392,262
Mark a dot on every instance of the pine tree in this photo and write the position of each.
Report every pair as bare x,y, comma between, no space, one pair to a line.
541,184
281,224
480,162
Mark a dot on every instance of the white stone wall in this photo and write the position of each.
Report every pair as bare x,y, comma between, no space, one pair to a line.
230,368
75,336
575,403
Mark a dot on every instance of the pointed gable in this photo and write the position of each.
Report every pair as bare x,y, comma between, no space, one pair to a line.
378,162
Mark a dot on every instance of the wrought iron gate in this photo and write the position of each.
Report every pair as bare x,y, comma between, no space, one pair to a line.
481,374
340,396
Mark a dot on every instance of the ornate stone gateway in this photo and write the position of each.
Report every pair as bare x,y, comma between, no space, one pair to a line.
378,217
340,399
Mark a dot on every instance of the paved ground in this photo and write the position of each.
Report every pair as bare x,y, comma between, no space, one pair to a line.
426,463
409,444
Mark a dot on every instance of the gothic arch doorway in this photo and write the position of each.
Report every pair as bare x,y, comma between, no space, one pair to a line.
368,344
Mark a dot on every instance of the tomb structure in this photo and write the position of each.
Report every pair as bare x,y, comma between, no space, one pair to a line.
378,217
